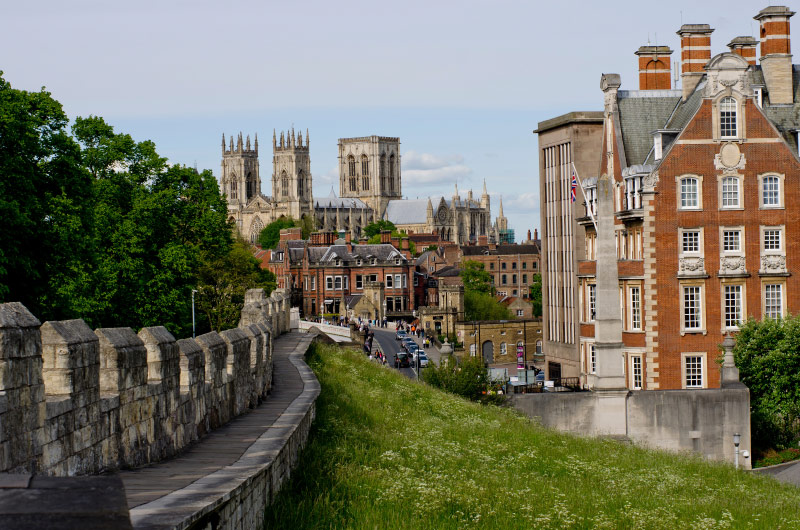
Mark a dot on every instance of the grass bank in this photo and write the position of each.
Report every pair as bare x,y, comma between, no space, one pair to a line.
387,452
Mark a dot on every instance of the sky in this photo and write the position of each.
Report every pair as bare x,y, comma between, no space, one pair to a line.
462,83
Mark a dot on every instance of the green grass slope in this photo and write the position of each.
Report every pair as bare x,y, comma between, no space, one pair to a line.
386,452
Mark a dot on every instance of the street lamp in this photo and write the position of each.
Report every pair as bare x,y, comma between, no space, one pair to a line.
193,324
736,439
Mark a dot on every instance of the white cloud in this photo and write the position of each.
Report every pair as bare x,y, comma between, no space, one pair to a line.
523,203
425,169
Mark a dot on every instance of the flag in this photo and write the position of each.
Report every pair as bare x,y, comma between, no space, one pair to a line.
574,188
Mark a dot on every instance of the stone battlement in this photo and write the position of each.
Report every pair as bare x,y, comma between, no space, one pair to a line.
75,401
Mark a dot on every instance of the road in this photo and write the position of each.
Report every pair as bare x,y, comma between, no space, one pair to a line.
384,337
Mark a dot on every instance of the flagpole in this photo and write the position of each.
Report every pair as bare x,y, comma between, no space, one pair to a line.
586,200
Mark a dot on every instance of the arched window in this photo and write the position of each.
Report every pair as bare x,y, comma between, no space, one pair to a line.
383,166
727,118
351,165
233,189
689,193
730,192
251,186
300,182
284,184
365,183
391,166
255,230
353,186
364,165
771,191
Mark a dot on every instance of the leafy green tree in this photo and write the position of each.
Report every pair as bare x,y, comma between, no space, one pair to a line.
309,224
374,229
45,205
223,282
271,234
767,354
482,306
535,290
475,278
468,379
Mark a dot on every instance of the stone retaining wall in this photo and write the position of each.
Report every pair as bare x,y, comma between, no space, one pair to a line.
75,401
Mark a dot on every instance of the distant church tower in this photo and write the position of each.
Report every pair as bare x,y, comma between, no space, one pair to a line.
369,169
291,174
240,180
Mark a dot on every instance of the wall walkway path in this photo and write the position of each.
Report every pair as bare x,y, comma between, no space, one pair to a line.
228,477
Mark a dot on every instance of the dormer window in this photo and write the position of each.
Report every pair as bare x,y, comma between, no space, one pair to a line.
727,118
337,262
359,262
373,261
397,261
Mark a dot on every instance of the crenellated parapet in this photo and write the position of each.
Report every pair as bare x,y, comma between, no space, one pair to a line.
75,401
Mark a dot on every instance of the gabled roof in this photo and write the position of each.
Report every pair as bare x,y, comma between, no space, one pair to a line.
501,250
382,252
640,113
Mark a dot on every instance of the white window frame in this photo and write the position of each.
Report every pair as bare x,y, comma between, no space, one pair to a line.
740,310
389,284
741,238
698,179
782,289
724,106
397,281
700,241
337,283
359,281
721,198
520,312
761,182
472,350
591,294
701,322
503,348
636,372
329,283
592,358
781,234
694,357
635,308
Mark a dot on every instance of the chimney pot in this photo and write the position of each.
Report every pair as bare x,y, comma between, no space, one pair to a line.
776,53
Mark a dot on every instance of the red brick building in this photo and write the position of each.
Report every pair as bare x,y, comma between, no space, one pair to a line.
322,272
512,266
705,180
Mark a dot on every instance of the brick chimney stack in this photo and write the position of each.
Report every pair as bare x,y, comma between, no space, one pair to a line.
654,67
776,53
695,54
386,236
536,234
744,47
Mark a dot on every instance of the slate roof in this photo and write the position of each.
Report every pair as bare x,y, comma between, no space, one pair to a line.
409,211
640,113
502,249
382,252
785,117
446,272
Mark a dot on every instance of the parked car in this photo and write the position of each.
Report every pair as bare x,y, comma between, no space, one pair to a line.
409,344
401,360
400,335
423,359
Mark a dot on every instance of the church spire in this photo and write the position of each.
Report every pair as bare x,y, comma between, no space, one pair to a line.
274,140
256,143
248,142
500,213
223,143
306,137
430,209
484,187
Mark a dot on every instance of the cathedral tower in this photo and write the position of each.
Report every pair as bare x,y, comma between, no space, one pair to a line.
291,174
239,179
369,169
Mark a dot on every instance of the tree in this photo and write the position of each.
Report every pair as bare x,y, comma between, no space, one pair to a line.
767,354
271,234
45,204
475,278
223,282
535,291
309,224
482,306
468,379
373,229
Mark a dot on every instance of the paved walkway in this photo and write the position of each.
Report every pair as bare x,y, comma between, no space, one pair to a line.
224,446
788,472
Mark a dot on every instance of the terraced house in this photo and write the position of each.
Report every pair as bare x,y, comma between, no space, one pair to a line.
327,275
705,177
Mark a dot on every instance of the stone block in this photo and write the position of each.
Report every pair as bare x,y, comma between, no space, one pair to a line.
123,360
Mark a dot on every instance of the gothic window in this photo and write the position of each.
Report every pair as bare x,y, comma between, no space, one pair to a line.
300,183
284,184
250,184
255,230
364,165
383,166
727,118
351,165
365,183
233,189
353,184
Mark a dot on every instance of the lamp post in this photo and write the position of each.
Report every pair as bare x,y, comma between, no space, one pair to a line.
193,324
736,439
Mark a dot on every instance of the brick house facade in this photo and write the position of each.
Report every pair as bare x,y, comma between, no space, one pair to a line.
704,181
327,275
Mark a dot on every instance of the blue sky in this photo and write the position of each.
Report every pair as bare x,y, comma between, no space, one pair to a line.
462,83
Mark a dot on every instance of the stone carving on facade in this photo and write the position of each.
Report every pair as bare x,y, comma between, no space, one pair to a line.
773,264
691,266
729,159
650,181
732,265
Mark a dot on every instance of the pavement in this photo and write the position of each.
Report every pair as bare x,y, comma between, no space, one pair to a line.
385,339
788,472
224,446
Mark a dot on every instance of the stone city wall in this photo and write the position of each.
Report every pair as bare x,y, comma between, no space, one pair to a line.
75,401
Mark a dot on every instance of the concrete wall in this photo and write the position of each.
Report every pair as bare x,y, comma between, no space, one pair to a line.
75,402
702,421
